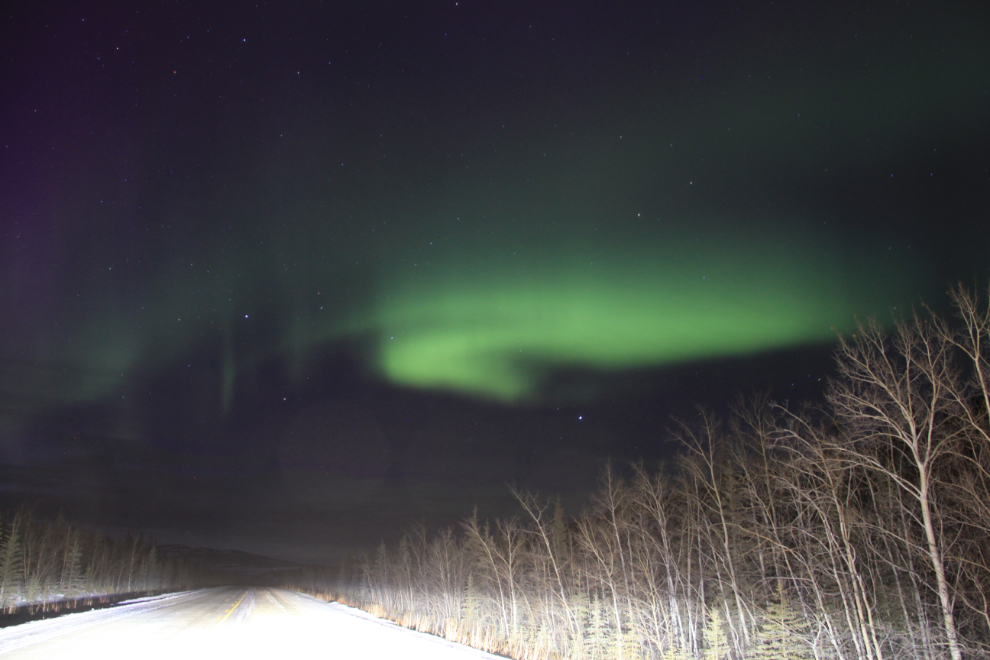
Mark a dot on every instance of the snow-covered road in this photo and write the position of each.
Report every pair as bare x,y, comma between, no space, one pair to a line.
226,623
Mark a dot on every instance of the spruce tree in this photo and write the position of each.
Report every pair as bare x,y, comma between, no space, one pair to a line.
595,641
10,562
716,642
780,637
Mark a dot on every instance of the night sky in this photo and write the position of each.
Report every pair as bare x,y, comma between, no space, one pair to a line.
288,277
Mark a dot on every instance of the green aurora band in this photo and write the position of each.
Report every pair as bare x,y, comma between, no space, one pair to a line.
491,319
499,331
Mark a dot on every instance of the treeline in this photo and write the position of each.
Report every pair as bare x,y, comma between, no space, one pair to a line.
44,562
856,529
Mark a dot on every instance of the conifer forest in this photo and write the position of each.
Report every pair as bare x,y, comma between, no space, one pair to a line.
44,564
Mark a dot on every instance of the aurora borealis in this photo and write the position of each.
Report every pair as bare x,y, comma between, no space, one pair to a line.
215,223
492,335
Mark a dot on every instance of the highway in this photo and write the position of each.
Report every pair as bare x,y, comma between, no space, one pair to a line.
226,622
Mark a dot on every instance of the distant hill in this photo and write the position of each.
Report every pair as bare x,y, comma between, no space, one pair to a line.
236,566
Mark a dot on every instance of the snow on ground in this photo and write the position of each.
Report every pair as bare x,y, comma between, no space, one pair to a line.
227,623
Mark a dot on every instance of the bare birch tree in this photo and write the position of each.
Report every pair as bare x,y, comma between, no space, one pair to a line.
897,396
